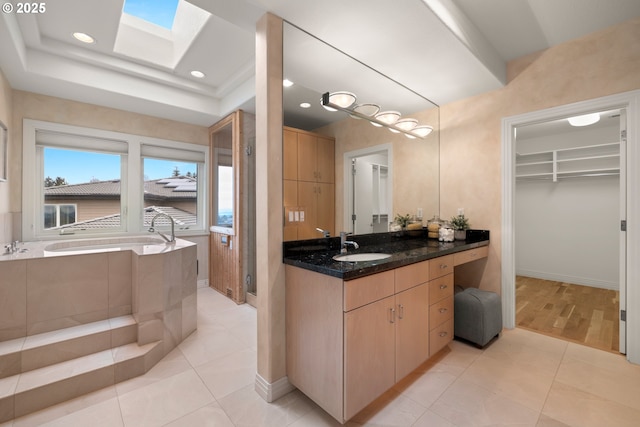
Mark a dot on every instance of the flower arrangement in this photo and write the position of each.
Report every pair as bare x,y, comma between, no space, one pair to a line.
403,220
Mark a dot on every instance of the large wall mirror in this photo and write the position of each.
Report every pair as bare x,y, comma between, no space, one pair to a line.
401,175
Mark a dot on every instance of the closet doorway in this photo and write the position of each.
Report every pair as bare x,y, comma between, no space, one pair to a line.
568,205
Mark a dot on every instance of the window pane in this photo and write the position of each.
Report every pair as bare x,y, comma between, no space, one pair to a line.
83,189
50,217
170,187
225,196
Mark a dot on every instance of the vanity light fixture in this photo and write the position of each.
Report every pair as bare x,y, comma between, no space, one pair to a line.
84,37
584,120
346,102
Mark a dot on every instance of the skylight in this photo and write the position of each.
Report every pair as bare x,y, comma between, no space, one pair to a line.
159,12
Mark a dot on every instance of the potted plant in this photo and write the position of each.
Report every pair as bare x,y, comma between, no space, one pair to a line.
460,226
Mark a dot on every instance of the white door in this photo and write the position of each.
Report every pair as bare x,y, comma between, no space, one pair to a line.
363,196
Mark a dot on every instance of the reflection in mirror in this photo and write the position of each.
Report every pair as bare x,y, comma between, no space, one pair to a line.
410,179
223,190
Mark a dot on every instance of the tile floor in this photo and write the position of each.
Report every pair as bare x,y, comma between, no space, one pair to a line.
522,379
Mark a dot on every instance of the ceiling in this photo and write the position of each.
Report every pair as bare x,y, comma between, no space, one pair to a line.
443,50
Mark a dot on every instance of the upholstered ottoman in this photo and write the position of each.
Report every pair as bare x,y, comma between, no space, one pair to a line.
477,315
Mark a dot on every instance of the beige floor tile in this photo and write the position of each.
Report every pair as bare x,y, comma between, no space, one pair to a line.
425,387
466,404
456,358
578,408
229,373
526,384
431,419
247,409
546,421
164,401
319,418
391,409
211,415
619,385
200,348
172,364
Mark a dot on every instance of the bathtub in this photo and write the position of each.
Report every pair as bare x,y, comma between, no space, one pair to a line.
47,286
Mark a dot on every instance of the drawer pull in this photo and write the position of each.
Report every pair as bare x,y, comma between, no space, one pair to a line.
401,311
443,286
443,266
443,334
392,315
443,310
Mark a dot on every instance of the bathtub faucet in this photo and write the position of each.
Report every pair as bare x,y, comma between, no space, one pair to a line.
173,235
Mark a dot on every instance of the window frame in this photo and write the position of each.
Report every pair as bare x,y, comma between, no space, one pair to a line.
132,178
57,206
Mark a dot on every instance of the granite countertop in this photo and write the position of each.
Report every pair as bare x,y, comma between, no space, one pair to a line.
317,254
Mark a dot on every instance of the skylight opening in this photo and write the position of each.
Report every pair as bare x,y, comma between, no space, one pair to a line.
158,12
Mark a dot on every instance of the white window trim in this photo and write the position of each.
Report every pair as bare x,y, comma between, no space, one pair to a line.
132,172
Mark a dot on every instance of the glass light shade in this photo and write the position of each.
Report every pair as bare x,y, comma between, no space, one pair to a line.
421,131
388,117
409,136
406,124
367,109
342,99
584,120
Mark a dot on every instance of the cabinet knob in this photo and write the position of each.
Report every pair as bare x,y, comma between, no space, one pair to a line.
443,266
443,310
443,286
443,334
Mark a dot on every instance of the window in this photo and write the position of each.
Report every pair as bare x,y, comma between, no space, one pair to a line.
89,182
59,215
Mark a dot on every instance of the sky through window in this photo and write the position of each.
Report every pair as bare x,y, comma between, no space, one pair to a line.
159,12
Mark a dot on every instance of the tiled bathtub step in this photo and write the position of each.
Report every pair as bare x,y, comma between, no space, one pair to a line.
36,351
37,389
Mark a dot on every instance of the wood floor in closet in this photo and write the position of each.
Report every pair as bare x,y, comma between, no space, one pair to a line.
577,313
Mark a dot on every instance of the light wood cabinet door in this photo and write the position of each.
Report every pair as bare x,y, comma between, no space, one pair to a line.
307,157
325,213
325,160
308,203
412,329
290,154
369,354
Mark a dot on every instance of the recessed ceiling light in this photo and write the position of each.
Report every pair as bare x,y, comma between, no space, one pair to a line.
197,74
287,83
305,105
84,38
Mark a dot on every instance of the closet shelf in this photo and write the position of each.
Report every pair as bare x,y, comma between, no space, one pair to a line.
589,160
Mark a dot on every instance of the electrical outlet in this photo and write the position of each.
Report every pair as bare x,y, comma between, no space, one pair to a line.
419,213
460,211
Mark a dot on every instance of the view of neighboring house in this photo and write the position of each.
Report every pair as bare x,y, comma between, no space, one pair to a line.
97,204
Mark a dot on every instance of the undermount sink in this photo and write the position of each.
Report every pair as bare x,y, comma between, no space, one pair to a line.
361,257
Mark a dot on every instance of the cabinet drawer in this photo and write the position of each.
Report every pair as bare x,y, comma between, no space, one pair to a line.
440,311
365,290
411,275
470,255
440,266
440,288
440,336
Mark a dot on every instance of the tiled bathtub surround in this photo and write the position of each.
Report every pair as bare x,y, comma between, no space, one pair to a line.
71,322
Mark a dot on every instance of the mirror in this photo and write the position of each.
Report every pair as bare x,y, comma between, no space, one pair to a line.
412,173
223,176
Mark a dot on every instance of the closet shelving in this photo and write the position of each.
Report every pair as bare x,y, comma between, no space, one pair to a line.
588,160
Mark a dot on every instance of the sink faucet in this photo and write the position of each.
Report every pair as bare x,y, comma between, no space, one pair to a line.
344,242
173,235
325,233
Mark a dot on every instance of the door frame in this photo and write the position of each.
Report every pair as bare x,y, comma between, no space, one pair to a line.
630,101
347,180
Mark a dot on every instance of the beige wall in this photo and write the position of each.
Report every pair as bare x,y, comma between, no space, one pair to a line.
603,63
27,105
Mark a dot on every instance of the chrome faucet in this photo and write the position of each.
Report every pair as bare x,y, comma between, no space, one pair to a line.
344,242
11,248
173,235
325,233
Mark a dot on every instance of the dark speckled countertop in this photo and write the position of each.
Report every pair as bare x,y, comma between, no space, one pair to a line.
317,254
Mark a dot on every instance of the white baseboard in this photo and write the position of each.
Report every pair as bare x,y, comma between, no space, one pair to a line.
273,391
568,279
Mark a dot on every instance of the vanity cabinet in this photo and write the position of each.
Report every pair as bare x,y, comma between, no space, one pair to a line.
349,341
309,188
